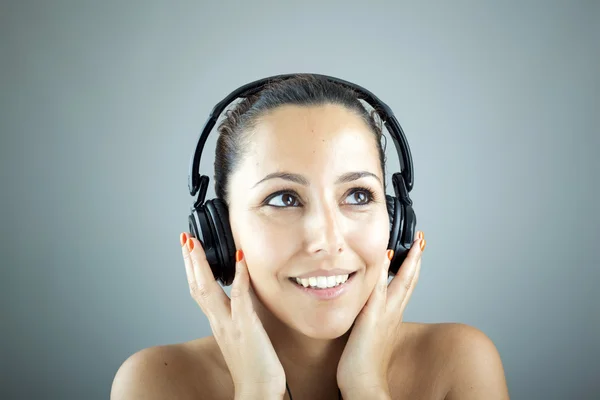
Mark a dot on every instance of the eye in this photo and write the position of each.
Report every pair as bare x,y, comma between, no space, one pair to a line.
360,196
284,199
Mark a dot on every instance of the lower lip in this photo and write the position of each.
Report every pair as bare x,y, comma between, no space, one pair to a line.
330,293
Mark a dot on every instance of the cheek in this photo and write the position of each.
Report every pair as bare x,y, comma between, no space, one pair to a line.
369,241
265,245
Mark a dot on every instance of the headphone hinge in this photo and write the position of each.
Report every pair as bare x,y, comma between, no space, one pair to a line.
203,187
400,189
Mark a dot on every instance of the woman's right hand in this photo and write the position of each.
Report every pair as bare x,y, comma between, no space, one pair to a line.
246,347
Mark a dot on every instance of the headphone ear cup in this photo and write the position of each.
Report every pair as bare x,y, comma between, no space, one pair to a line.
224,240
409,227
407,221
395,213
391,209
201,227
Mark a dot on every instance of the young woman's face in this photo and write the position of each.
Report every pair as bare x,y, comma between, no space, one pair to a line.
310,219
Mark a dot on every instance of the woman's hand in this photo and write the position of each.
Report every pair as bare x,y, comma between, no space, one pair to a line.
254,366
366,357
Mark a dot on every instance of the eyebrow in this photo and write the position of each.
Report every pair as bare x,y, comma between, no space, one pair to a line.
300,179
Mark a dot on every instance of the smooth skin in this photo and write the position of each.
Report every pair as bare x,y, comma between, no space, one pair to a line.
331,214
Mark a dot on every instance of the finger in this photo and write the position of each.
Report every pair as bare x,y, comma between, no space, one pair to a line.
189,267
417,236
376,302
412,287
241,303
403,283
383,283
204,289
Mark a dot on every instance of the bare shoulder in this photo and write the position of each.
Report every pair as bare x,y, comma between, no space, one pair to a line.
178,371
459,360
475,364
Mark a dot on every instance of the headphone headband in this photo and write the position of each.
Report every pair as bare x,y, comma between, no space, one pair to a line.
197,182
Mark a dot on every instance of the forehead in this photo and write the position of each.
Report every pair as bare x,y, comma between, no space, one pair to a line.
326,138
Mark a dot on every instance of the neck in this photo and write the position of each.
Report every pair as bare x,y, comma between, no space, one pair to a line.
310,364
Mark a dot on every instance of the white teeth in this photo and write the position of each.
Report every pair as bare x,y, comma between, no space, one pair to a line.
322,282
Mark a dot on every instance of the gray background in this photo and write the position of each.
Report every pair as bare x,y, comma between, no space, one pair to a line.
101,106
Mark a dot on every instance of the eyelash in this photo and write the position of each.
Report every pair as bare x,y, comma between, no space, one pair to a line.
371,197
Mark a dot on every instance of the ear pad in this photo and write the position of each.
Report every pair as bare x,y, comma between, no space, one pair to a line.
224,244
394,227
201,227
410,224
395,217
402,230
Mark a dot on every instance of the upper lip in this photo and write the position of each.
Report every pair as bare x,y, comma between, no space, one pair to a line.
325,272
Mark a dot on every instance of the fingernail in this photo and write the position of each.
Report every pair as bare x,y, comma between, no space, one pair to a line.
423,244
421,235
390,254
239,255
190,244
183,238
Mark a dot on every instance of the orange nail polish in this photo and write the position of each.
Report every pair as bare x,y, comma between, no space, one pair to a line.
239,255
421,235
423,244
183,238
190,244
390,254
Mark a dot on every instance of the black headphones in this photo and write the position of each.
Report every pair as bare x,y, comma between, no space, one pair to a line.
209,221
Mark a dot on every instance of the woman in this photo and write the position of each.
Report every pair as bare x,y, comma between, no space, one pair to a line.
301,168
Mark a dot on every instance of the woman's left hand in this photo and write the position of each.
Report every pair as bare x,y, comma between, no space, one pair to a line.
366,357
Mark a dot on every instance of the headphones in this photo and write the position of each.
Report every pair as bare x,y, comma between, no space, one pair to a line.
209,220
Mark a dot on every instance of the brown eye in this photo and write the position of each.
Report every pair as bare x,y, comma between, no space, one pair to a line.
288,200
360,197
283,200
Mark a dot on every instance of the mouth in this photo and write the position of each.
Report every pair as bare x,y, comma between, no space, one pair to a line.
324,291
320,285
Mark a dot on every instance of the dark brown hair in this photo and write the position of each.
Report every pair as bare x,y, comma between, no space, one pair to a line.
302,90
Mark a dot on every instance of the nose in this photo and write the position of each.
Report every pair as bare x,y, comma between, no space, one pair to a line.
323,232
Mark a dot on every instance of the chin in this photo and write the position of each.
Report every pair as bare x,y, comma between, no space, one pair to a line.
326,333
315,319
329,325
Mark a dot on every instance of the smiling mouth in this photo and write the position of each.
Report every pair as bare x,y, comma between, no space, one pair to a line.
322,284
